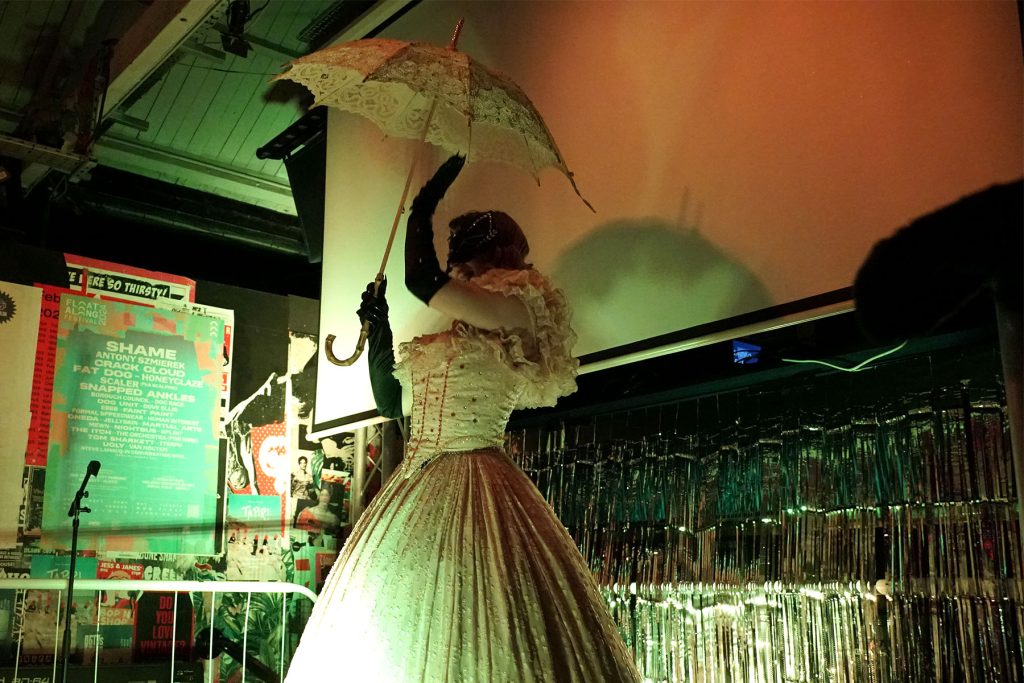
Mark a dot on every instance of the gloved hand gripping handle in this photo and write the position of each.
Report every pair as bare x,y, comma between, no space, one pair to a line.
387,391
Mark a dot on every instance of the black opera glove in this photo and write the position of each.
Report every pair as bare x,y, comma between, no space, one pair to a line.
374,306
423,274
387,392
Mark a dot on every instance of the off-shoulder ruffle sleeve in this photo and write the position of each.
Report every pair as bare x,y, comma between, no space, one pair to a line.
544,357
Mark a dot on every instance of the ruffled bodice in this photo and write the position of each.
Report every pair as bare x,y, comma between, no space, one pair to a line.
465,382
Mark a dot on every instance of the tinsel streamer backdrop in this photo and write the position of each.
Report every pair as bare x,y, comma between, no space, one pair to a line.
843,529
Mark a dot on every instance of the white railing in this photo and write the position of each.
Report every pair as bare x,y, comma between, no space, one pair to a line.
212,587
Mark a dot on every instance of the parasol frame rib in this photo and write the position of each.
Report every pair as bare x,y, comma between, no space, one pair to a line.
452,46
364,331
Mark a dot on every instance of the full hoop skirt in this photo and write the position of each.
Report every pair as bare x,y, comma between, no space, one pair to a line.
460,572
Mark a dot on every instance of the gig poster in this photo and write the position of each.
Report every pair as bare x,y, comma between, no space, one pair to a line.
105,280
46,566
137,389
36,624
228,317
30,514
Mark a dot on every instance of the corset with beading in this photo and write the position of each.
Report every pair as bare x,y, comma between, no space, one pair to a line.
462,395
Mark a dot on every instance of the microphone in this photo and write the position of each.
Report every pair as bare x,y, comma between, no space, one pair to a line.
91,470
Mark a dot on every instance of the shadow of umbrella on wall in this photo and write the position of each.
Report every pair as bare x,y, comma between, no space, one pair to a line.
433,94
639,278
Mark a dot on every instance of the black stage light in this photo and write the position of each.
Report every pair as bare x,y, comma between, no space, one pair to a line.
233,39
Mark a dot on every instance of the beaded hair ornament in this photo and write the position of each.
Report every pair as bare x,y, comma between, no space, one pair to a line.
468,239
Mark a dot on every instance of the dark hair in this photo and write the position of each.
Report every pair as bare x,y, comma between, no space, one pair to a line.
490,236
302,457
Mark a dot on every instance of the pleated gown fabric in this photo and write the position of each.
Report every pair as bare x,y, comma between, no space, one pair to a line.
459,571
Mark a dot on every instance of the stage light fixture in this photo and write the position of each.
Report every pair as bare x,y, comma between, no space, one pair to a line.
233,38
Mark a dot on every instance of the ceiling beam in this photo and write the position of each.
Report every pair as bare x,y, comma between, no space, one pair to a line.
194,47
50,157
371,20
160,30
198,173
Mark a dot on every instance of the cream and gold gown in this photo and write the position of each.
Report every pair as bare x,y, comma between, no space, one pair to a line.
459,571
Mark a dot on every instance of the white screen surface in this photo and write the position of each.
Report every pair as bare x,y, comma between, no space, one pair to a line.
738,155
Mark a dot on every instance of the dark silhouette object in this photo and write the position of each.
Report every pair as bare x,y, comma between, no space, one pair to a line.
919,278
221,643
92,469
639,278
915,280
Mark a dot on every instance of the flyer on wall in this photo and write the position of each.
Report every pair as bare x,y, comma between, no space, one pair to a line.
137,389
126,283
105,280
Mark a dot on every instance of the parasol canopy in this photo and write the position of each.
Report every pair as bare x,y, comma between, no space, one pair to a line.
434,94
438,94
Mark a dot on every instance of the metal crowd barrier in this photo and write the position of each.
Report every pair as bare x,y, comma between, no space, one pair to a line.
213,587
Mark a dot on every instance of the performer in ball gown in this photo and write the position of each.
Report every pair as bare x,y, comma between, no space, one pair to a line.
459,570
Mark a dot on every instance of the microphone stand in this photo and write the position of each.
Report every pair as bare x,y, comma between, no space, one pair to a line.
74,511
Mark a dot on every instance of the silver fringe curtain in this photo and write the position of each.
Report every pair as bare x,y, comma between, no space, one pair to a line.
782,538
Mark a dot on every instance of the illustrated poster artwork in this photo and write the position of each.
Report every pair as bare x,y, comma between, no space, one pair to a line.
255,538
19,329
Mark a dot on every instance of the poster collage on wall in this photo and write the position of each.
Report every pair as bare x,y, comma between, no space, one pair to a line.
198,414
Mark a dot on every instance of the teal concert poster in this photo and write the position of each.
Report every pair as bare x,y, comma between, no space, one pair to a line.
137,389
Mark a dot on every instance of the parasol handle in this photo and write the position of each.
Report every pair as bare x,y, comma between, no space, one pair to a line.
364,332
329,347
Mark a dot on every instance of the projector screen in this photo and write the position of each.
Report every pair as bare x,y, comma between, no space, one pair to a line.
739,155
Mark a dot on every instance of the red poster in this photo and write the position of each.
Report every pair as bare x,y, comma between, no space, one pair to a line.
42,381
161,622
108,569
